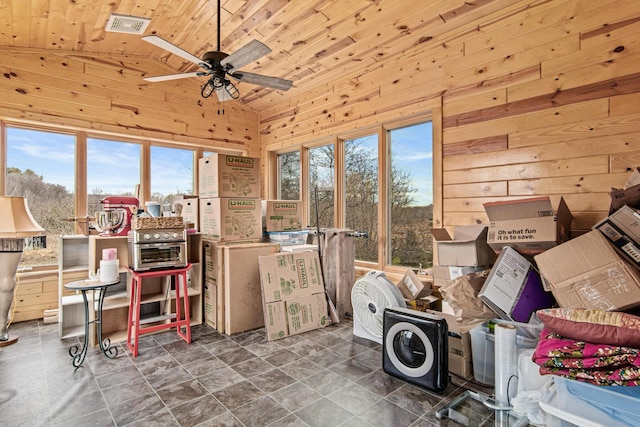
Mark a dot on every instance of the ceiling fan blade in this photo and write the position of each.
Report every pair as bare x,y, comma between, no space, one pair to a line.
245,55
163,44
173,76
259,79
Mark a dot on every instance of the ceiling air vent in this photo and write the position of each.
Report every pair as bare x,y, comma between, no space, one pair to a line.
127,24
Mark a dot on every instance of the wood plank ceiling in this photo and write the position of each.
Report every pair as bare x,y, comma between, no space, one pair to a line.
313,42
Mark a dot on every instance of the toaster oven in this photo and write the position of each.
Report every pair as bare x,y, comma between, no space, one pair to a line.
157,249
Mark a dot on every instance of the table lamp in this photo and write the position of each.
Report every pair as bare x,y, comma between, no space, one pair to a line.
16,223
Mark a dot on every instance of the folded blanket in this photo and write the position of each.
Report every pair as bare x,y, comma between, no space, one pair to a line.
594,363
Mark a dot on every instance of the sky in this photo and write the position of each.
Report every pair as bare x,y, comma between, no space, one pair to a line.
412,148
114,167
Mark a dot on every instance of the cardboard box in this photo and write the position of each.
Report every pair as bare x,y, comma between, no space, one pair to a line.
282,215
412,287
467,248
224,175
628,195
232,274
231,219
275,320
622,229
306,313
443,274
191,211
514,288
459,340
210,304
587,272
241,281
292,293
528,225
295,316
289,275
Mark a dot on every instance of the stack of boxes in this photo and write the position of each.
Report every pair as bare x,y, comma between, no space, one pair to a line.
230,219
467,252
230,205
282,222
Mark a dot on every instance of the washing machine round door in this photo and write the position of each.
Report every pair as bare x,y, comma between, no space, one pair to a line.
409,349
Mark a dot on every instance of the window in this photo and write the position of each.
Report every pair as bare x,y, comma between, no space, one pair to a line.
289,176
411,196
391,164
321,181
113,169
361,193
171,174
40,167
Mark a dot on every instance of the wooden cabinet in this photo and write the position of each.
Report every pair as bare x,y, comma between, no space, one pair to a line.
81,255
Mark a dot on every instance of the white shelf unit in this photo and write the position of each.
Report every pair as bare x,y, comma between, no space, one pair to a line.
72,266
83,255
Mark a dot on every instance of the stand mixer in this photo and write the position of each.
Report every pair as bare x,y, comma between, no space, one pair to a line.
115,220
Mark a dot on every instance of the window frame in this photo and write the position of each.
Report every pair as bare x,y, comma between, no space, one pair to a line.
384,165
81,136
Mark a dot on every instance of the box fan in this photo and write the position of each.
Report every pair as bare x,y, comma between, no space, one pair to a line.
370,295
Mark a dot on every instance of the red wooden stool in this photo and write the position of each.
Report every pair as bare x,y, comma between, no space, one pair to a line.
177,319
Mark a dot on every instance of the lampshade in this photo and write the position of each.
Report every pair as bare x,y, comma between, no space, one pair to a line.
16,220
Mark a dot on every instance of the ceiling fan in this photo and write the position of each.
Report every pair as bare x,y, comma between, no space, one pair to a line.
217,66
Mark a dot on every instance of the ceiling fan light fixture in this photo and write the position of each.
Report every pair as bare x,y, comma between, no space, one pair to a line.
127,24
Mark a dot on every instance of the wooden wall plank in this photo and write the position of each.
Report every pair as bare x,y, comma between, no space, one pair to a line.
620,127
571,149
567,185
538,169
476,189
553,116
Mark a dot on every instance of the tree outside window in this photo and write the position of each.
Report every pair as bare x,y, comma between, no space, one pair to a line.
41,168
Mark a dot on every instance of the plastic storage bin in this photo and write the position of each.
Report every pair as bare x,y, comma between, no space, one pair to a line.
287,237
483,346
572,403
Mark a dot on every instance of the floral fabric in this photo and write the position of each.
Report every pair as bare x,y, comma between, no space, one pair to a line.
599,364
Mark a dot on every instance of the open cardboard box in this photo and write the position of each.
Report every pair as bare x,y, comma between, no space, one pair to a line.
467,248
412,287
514,288
587,272
459,340
529,225
622,229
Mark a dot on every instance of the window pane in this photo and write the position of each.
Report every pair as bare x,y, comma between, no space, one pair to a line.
289,176
171,174
321,177
361,193
40,167
411,196
113,169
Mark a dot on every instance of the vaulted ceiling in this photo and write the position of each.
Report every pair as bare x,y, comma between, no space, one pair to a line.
313,42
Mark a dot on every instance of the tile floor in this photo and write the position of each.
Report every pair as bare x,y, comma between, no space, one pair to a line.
326,377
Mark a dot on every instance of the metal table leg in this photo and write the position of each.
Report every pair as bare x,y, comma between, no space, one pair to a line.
105,345
78,356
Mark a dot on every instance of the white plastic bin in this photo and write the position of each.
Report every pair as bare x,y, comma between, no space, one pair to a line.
572,403
483,347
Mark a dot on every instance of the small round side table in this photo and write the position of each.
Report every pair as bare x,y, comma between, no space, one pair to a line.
84,286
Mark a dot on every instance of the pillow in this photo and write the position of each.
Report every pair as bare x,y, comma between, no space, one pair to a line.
593,326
